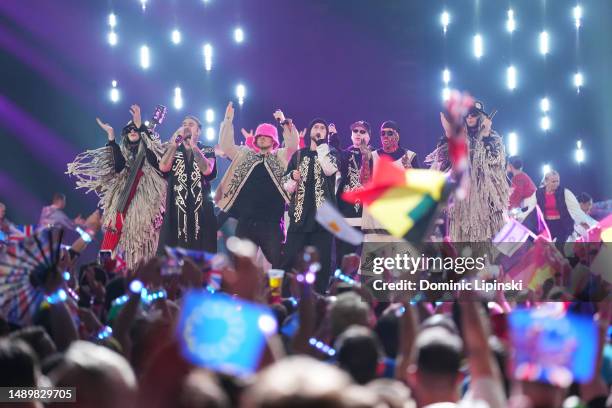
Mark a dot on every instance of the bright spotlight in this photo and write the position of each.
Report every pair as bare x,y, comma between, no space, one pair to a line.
512,144
446,94
143,4
478,46
209,115
577,12
446,76
511,77
544,42
112,38
208,51
178,98
114,95
546,168
240,93
145,57
510,22
176,37
238,35
112,20
578,80
545,123
580,156
445,20
544,105
210,133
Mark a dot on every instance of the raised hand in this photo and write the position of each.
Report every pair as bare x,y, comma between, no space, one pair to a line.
332,128
107,128
365,150
445,125
229,112
136,118
279,115
246,134
486,126
177,137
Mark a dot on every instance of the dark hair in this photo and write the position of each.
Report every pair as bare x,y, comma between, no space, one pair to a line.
516,162
584,197
438,352
58,196
358,353
19,364
37,338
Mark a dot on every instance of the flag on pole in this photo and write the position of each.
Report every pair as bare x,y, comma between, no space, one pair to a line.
511,237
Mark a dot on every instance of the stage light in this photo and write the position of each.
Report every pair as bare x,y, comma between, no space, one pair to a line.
577,12
210,133
512,144
238,35
445,20
112,20
545,123
208,51
578,80
176,37
478,46
510,23
546,168
143,4
112,38
209,115
544,43
240,93
544,105
446,94
114,92
580,156
446,76
178,98
511,77
145,57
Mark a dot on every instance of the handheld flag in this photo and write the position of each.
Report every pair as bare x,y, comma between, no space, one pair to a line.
334,222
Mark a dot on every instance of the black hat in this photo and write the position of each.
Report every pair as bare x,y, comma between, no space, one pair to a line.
128,128
314,122
478,108
363,124
389,124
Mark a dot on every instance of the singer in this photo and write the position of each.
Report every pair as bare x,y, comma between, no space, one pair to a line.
189,166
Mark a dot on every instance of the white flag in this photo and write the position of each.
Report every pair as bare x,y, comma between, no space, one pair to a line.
334,222
511,237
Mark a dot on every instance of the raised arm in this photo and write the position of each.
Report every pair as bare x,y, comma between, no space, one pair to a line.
226,134
165,165
205,164
327,159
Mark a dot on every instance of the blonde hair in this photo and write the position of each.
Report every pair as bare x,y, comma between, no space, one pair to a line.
549,173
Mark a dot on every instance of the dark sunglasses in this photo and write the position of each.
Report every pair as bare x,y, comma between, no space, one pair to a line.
130,129
388,133
363,132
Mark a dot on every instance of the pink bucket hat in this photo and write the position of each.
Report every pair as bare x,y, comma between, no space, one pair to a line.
266,129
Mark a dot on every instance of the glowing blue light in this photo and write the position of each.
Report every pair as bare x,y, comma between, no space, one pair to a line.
176,37
112,20
178,98
113,39
445,20
209,115
544,105
512,144
577,12
240,93
208,52
238,35
545,123
580,156
210,133
546,168
578,80
544,42
446,76
511,77
446,94
510,22
478,46
145,57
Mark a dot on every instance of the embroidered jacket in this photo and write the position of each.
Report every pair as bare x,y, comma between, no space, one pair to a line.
317,183
244,161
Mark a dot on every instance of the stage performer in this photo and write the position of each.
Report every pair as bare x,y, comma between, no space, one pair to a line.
252,188
189,221
131,188
310,180
481,214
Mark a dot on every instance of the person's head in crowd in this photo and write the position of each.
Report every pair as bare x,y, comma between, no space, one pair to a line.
358,353
389,136
360,130
2,211
538,395
298,382
392,393
551,181
440,320
585,200
316,133
59,201
348,309
103,378
435,373
19,366
200,389
266,137
387,329
515,165
192,128
38,339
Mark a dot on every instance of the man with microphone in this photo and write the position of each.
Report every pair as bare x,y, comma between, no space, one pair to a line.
189,220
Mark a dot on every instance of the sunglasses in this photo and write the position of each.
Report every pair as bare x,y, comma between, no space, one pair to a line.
388,133
361,131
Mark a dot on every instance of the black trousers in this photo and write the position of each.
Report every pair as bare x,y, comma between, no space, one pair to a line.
344,248
322,240
265,234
